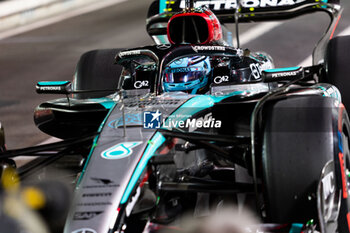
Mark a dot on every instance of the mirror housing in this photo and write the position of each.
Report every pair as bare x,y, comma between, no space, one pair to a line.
282,74
54,87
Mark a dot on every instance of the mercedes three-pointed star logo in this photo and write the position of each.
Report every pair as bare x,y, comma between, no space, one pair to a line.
84,230
163,46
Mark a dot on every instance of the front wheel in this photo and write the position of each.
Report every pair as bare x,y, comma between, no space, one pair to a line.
336,63
342,167
301,135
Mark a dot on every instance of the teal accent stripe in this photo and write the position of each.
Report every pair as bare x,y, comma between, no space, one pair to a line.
283,69
94,144
162,6
108,105
156,141
335,94
52,83
296,228
87,160
104,121
324,90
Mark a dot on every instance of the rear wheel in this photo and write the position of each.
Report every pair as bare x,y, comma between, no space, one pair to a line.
96,70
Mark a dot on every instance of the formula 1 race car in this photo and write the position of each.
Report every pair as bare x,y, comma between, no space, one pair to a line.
192,124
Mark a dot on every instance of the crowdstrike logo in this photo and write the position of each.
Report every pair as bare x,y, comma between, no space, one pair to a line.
208,48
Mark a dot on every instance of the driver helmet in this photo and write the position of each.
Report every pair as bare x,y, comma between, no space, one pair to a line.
188,74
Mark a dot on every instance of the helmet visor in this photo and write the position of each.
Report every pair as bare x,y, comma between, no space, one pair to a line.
183,77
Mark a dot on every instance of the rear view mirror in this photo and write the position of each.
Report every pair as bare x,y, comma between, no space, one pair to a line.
54,87
282,74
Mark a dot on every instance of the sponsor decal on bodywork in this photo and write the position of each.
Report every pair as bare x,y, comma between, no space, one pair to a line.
86,215
101,183
120,150
97,194
94,204
163,46
221,79
284,74
141,84
208,48
233,4
130,53
51,88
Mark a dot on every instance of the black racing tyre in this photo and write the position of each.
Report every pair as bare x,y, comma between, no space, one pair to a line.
2,138
153,9
342,165
96,71
337,66
300,136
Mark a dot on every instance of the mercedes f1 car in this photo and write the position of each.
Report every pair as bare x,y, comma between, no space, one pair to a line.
191,124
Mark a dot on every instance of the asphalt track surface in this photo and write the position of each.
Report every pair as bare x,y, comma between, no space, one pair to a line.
51,52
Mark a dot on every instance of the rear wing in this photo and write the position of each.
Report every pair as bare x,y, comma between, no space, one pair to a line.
246,10
251,10
227,11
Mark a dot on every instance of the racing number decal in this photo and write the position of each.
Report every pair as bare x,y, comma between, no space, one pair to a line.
140,84
220,79
256,70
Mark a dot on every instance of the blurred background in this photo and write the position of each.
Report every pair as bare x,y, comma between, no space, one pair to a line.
43,40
